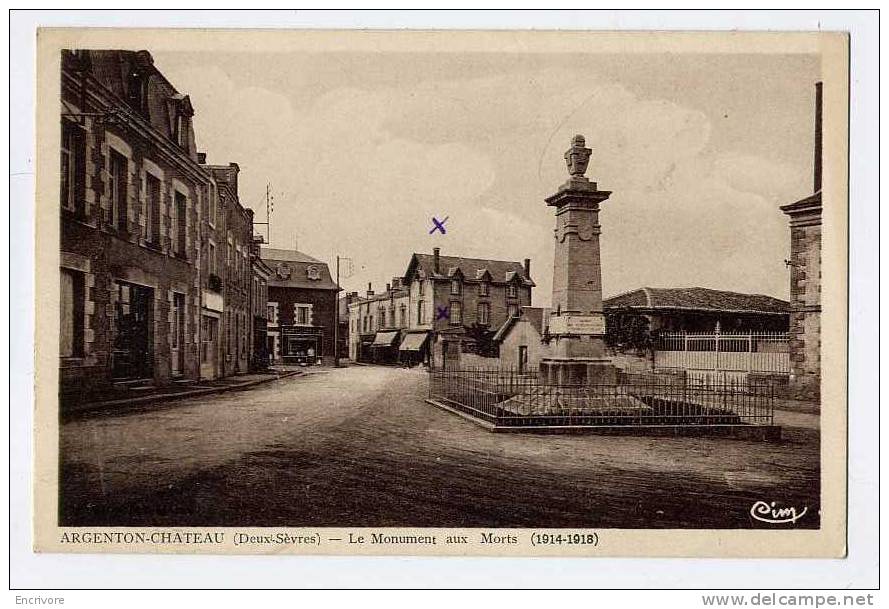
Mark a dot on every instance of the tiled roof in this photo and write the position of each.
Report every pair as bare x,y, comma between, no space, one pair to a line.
697,299
291,269
501,271
288,255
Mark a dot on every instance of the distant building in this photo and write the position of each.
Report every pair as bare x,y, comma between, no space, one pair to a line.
805,280
262,273
696,310
448,295
378,322
133,203
302,300
346,334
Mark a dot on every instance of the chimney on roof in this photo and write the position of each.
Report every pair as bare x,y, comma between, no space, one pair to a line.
388,288
370,290
436,251
527,268
202,158
818,86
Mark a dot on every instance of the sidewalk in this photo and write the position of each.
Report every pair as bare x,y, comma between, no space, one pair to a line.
123,396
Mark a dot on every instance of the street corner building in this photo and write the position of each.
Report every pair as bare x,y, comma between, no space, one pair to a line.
444,311
302,301
146,296
461,302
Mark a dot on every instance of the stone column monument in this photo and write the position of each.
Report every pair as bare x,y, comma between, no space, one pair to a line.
577,324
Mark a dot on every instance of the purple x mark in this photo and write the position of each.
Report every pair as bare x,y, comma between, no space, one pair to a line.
439,225
442,313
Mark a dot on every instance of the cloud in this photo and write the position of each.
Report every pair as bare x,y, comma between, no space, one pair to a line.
361,172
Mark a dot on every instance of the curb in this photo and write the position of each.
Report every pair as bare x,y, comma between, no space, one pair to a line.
170,397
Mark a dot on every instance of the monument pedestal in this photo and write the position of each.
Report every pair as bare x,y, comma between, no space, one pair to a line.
577,371
577,326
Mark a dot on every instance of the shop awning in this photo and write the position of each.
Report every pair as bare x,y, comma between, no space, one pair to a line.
385,339
413,342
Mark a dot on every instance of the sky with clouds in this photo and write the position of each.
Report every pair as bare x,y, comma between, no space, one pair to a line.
363,149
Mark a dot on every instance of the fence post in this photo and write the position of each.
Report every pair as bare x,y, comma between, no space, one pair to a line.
716,334
750,352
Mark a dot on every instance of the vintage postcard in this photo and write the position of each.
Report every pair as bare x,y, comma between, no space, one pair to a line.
441,293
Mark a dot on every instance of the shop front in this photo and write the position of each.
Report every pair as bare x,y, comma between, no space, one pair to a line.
384,347
301,345
414,348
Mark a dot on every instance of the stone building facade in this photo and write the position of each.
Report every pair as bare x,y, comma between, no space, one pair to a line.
228,274
805,281
131,199
302,300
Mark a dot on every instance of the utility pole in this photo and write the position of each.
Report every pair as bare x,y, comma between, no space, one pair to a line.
336,318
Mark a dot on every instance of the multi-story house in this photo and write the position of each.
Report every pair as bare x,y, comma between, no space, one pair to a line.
449,296
228,277
132,198
302,300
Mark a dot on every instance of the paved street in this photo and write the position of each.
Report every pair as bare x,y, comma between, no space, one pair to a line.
359,447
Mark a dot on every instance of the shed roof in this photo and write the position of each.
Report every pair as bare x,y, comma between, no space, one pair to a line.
697,299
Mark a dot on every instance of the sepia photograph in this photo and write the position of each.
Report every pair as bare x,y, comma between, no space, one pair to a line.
449,293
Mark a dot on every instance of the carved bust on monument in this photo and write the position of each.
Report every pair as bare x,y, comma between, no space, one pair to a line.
578,156
577,324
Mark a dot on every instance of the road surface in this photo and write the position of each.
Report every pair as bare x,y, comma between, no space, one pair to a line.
358,446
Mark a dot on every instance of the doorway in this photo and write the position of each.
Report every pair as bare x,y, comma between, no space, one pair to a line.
177,334
523,358
209,347
132,356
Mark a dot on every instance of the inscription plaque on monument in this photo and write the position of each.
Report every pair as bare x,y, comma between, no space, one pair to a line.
586,325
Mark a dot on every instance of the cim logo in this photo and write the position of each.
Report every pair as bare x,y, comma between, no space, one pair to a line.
769,512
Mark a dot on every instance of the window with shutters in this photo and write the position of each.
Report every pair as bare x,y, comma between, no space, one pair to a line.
72,314
118,183
152,209
73,168
181,202
484,313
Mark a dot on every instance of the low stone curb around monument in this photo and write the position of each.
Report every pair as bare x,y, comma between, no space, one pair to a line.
760,433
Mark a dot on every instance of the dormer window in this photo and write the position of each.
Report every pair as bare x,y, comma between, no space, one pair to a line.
181,112
137,91
182,131
456,286
484,288
512,291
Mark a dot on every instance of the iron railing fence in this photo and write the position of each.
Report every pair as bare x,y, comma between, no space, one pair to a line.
723,351
513,398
